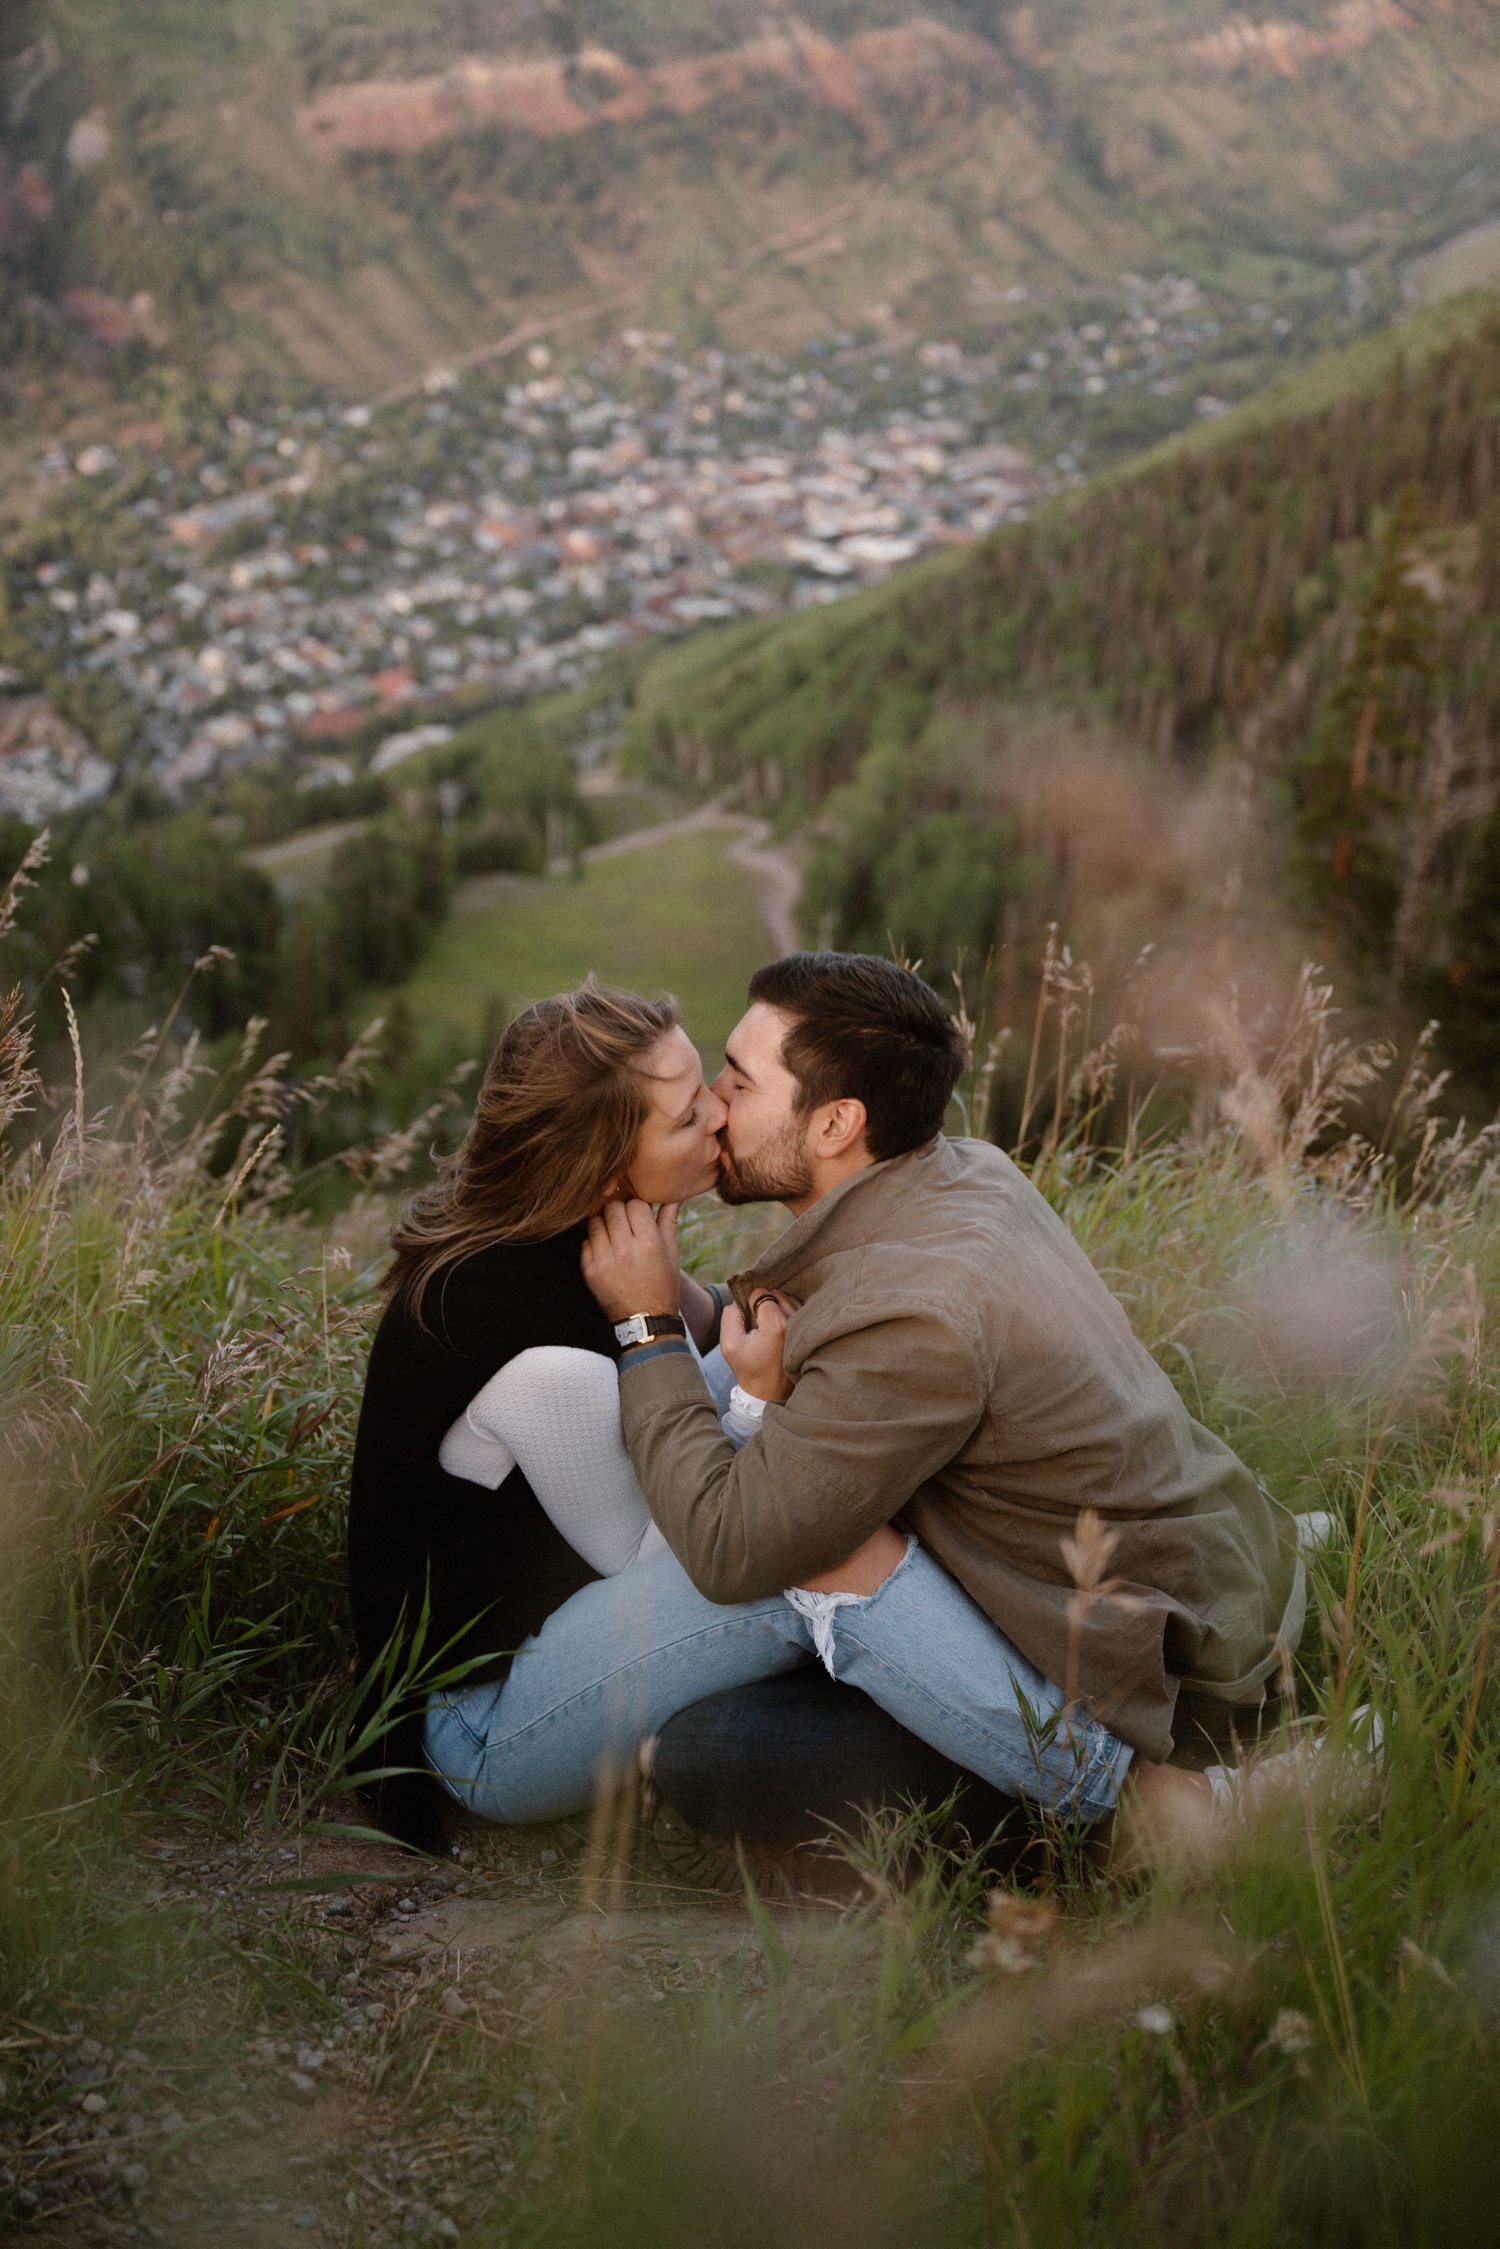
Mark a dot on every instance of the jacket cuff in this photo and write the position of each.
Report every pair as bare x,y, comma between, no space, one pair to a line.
635,1354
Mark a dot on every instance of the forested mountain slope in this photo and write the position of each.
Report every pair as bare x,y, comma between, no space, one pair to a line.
1297,625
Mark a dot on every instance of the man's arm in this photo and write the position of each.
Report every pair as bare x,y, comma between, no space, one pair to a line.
877,1410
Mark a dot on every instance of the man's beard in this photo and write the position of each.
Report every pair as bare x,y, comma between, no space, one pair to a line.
778,1173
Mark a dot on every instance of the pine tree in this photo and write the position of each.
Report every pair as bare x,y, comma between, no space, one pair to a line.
1470,1006
302,999
1351,784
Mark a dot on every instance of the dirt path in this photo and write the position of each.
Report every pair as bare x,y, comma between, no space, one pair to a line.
299,863
391,2112
780,878
772,864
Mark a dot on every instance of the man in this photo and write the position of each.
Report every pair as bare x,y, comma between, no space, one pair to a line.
953,1367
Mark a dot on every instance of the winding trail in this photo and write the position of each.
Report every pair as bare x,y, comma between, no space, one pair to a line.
780,880
298,862
774,866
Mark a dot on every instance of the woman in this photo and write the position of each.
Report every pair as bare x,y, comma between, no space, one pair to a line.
537,1630
586,1094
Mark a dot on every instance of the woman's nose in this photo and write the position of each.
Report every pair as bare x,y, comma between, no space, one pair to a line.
717,1112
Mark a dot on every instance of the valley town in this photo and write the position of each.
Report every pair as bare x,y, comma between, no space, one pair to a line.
319,587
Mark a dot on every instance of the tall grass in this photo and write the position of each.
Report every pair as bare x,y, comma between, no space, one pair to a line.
180,1362
1299,2044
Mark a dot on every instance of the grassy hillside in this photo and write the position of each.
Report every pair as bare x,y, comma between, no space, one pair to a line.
1287,632
1294,2045
272,180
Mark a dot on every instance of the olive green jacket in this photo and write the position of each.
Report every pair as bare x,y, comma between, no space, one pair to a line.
961,1367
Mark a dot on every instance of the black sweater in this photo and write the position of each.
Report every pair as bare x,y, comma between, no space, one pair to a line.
490,1564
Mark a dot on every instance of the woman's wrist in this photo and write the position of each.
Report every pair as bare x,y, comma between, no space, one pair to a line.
701,1308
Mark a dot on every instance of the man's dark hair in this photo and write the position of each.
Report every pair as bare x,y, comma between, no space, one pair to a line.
866,1030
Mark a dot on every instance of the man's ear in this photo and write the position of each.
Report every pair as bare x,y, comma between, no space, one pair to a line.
838,1128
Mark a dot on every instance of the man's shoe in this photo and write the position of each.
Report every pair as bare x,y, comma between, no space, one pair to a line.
1345,1777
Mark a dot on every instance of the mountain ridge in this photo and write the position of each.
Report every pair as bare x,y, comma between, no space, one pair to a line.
159,202
554,95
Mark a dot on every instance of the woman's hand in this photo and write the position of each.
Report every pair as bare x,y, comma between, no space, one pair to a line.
755,1357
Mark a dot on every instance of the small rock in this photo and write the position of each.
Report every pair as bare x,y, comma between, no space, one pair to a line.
306,2218
407,1946
302,2081
454,2004
173,2121
93,2104
134,2176
547,1858
446,2230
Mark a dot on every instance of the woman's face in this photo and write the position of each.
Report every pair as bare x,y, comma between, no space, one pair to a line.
677,1152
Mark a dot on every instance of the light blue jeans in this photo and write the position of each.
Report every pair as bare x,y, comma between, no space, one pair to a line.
613,1664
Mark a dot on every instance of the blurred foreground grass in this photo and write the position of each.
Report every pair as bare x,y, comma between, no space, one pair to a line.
1300,2046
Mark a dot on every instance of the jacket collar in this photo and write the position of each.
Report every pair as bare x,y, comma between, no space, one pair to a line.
882,1182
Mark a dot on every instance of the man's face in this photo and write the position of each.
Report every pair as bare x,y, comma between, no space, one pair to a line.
764,1142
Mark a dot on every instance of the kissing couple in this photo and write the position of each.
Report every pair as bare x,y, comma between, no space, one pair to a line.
915,1456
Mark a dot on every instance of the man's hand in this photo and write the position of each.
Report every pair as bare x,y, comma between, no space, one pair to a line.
755,1359
630,1259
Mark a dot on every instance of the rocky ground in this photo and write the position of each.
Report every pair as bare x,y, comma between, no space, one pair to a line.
403,2074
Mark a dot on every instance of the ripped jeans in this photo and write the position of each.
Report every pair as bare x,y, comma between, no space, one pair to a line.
625,1654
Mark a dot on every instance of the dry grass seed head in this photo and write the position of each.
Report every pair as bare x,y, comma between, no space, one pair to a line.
1020,1931
19,1082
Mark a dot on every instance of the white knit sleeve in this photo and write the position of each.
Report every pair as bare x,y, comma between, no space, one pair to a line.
555,1413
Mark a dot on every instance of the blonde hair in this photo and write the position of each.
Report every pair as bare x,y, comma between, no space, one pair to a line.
555,1125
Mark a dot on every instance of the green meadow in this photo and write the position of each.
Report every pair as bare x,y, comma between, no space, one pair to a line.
675,916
